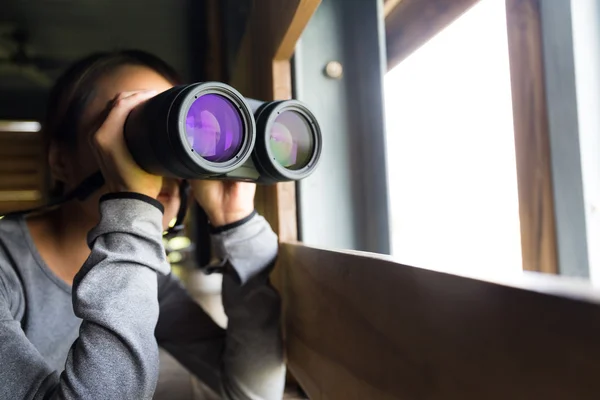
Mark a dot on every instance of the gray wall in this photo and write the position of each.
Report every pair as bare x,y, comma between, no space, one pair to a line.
563,121
344,203
68,29
586,40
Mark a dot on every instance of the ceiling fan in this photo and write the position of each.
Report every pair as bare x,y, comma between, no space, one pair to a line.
16,58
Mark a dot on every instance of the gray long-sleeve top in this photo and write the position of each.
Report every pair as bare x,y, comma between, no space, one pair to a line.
99,338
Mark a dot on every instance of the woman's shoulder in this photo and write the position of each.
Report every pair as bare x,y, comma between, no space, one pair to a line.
11,233
11,247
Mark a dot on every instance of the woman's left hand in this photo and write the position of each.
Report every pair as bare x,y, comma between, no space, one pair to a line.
224,202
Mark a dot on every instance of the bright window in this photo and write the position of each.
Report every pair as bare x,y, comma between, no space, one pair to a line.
451,157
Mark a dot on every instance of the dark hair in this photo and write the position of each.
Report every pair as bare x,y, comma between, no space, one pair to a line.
74,89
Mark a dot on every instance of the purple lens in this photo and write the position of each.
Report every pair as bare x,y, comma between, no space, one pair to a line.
214,128
291,140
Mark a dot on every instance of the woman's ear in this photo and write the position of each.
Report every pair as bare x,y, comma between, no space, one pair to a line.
58,162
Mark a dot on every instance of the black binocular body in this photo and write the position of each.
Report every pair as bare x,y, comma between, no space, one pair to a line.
210,131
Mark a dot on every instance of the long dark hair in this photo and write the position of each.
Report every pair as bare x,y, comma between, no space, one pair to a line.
73,90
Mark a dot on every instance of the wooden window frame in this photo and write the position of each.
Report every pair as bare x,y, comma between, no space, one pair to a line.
411,23
22,176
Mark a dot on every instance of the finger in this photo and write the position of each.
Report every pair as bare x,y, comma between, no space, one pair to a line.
123,95
126,101
113,124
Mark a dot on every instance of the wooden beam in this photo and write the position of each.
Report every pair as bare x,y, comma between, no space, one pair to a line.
304,11
360,326
389,5
23,164
12,206
411,23
8,196
263,72
19,181
22,170
215,44
532,137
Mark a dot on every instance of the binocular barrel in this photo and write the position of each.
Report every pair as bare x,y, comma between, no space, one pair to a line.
209,131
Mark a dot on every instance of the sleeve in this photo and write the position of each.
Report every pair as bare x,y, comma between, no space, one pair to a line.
115,294
246,361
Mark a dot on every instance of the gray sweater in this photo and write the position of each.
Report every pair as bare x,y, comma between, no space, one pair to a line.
99,338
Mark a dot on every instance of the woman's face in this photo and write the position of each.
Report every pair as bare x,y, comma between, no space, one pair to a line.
81,163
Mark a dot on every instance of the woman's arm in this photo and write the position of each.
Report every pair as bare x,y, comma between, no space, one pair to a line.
245,361
115,294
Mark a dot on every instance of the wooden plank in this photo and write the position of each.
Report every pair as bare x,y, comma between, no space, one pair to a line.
364,327
12,206
8,196
532,137
263,72
19,164
20,181
215,52
389,6
20,149
302,14
272,32
411,23
278,202
20,137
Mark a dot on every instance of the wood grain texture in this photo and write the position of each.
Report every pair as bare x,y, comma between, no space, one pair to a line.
411,23
363,327
389,5
19,181
532,137
19,149
263,72
12,206
302,14
22,171
21,164
215,52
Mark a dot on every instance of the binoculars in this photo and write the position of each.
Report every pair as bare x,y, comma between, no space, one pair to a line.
209,131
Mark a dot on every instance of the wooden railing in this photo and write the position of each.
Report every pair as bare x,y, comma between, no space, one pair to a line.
22,167
360,326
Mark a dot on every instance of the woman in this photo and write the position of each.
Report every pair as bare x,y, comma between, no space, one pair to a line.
86,294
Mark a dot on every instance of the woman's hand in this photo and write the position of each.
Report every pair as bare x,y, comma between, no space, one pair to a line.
224,202
120,171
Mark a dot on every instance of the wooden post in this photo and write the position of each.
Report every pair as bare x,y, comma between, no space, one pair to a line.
411,23
262,71
532,137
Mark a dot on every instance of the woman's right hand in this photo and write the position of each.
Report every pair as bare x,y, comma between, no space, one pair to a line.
120,171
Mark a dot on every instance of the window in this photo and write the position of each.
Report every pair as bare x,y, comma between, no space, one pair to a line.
22,179
586,38
451,158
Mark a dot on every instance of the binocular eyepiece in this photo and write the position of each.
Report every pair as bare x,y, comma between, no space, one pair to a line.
209,131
